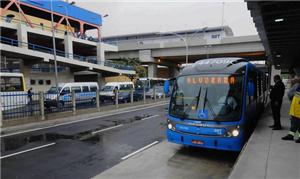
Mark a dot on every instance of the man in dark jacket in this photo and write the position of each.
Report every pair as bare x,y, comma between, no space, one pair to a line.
276,95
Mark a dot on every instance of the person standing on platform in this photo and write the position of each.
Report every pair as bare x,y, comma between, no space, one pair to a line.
294,96
276,95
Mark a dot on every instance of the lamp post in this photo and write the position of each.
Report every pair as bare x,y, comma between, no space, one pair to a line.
185,43
54,51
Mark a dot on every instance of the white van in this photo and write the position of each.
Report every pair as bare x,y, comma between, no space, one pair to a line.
107,92
84,92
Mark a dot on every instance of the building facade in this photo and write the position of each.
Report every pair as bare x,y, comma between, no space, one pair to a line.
27,43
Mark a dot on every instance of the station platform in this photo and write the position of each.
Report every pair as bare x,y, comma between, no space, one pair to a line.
266,156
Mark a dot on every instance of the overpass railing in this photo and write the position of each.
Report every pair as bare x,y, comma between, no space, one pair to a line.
89,59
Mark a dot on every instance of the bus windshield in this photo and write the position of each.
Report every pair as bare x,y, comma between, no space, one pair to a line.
11,83
207,97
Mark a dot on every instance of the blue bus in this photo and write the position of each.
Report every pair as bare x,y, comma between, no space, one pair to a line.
215,103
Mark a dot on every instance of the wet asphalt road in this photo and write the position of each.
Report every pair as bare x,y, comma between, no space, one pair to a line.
78,151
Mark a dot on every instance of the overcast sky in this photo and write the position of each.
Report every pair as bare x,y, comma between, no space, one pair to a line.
128,17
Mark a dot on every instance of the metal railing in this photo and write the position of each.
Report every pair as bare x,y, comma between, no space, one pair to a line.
35,47
48,28
18,105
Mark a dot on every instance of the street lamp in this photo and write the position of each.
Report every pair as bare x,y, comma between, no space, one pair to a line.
185,43
54,51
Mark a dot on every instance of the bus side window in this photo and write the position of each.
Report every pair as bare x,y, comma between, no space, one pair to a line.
252,76
85,89
93,88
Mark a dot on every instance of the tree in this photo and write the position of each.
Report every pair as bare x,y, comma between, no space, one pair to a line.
135,63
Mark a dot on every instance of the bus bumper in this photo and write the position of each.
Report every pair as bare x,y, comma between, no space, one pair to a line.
219,143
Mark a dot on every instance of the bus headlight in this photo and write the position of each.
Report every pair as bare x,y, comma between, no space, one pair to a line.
170,126
235,132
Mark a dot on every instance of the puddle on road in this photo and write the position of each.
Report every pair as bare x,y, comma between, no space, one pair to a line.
12,143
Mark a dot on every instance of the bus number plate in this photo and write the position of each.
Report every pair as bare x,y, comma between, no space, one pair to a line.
198,142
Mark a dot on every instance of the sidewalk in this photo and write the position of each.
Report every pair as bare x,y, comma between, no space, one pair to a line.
266,156
84,114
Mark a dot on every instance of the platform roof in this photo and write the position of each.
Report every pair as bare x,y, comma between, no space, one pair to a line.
70,10
278,25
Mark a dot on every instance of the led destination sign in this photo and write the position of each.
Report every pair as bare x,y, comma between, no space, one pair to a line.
195,80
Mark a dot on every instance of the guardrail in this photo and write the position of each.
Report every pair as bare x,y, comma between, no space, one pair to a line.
35,47
18,105
48,28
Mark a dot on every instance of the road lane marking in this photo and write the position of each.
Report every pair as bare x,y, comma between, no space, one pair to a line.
140,150
29,150
82,120
149,117
106,129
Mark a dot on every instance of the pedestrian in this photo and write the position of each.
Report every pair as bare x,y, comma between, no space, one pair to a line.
294,96
276,95
29,95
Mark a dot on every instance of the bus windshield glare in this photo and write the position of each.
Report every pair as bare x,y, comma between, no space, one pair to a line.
207,97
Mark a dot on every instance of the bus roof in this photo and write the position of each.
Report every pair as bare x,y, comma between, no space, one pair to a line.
215,65
11,74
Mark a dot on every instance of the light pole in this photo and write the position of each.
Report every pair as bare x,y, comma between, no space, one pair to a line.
207,50
54,51
185,43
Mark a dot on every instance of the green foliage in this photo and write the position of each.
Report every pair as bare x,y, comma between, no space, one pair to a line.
135,63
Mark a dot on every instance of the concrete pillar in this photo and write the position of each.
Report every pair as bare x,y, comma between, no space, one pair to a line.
1,118
26,70
117,99
22,35
100,80
152,70
100,54
273,73
131,95
144,94
41,103
98,99
68,45
73,102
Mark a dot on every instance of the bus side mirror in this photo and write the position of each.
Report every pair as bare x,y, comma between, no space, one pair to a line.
250,88
166,86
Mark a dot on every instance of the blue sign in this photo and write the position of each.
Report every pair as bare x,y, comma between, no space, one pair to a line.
65,8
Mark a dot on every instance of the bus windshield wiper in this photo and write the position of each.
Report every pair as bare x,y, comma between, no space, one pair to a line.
194,100
198,97
209,105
